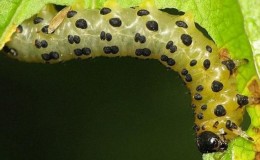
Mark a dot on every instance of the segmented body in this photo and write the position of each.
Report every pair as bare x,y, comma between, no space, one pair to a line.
145,32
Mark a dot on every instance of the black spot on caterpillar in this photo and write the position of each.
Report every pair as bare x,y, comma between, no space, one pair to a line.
145,32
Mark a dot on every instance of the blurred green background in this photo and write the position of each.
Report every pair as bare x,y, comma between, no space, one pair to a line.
98,109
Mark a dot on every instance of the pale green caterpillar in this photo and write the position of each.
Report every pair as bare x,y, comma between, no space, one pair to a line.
143,32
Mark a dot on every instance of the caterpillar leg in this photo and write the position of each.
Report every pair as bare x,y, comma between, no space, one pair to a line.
241,62
232,65
242,134
254,99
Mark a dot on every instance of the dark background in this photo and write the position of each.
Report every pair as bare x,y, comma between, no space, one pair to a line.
98,109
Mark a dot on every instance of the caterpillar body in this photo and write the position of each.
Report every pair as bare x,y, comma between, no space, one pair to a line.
144,32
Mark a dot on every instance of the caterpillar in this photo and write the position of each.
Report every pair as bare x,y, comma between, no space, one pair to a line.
147,33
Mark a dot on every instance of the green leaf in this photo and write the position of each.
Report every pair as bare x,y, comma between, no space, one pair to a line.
222,19
252,25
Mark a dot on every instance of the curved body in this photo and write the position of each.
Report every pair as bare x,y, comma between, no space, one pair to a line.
145,32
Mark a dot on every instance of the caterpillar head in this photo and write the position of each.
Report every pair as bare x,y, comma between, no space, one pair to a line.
208,142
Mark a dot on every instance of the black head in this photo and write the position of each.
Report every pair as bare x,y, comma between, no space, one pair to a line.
209,142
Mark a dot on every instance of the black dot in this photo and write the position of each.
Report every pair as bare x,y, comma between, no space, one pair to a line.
138,52
78,52
44,44
37,20
46,56
103,35
173,49
114,49
171,62
181,24
137,36
146,52
184,72
186,39
169,44
200,116
193,62
230,65
164,58
152,25
70,39
115,22
76,39
105,11
242,100
71,14
216,86
107,49
197,96
108,37
111,49
142,39
86,51
54,55
230,125
142,12
45,29
38,43
219,111
204,107
208,48
206,63
188,78
199,88
81,23
19,29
